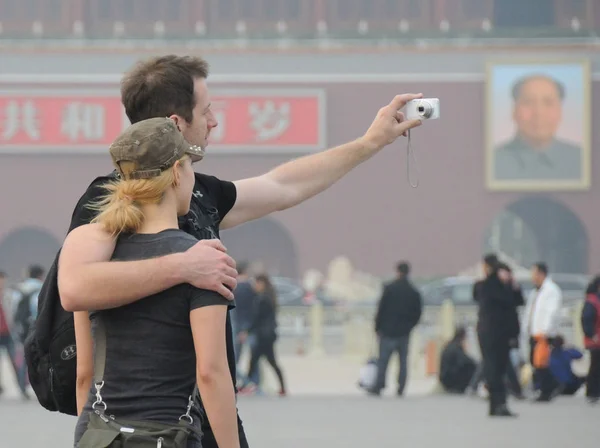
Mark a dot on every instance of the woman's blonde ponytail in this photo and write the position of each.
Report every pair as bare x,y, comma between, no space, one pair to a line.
119,211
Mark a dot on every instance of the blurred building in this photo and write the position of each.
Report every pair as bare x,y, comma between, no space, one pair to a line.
315,79
101,19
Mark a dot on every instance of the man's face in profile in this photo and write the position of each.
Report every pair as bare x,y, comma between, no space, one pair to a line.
538,111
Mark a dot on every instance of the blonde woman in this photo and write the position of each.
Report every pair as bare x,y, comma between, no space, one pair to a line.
156,349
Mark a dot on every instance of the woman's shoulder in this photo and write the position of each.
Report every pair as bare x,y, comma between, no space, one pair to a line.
86,232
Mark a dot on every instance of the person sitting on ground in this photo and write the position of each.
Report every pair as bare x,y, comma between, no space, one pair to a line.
456,367
560,367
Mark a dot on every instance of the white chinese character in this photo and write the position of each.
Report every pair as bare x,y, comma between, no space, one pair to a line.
20,116
269,121
83,120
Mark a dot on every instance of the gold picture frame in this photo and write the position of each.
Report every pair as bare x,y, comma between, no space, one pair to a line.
574,78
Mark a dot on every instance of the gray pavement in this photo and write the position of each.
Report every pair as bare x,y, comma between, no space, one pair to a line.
338,421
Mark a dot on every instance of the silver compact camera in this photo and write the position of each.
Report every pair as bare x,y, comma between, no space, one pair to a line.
423,109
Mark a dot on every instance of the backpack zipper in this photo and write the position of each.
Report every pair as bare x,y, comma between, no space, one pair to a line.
52,388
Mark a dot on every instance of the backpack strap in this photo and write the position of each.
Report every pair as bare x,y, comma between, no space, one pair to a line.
99,362
100,353
48,306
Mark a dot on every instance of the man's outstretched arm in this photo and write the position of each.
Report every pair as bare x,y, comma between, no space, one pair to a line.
298,180
88,280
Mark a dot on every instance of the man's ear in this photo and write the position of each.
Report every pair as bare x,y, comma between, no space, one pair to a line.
177,120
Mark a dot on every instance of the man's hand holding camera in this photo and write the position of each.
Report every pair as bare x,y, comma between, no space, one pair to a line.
390,123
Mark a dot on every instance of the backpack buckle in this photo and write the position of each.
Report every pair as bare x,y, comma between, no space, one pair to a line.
99,401
187,416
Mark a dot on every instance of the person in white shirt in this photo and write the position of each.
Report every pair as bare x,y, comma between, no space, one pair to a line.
541,320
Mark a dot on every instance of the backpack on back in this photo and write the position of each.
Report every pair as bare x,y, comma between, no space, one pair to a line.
50,350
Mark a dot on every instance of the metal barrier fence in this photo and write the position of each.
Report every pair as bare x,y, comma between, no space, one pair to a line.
317,330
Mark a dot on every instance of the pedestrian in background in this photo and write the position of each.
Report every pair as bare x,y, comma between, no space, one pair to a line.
398,313
496,297
590,321
540,325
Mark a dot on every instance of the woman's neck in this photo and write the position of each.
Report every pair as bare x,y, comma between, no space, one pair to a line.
159,217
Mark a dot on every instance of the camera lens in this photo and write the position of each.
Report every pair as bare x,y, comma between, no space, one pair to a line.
424,109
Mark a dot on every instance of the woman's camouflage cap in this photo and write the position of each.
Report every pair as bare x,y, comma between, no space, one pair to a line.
153,146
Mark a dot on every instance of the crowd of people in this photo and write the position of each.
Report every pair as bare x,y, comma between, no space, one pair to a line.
501,326
500,330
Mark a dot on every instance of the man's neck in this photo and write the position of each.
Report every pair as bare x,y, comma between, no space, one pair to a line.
542,282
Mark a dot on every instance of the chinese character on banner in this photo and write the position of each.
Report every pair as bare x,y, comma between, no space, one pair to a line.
83,121
269,121
248,120
20,116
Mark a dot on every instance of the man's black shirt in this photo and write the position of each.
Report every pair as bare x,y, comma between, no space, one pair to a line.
399,309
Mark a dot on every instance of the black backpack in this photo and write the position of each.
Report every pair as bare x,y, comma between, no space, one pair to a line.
50,350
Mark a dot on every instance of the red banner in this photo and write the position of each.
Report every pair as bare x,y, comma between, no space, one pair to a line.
249,120
60,121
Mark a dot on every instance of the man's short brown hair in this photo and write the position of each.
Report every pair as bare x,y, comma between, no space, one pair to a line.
162,86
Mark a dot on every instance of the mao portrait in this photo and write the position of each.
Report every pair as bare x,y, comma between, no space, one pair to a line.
538,126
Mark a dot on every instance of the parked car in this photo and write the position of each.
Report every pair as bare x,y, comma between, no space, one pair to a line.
460,289
291,293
